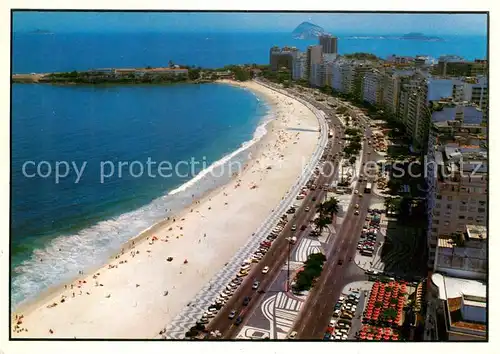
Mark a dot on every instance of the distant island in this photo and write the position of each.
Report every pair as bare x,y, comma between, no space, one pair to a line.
40,31
414,36
420,37
307,30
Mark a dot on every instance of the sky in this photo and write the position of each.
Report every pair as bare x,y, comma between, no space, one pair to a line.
346,23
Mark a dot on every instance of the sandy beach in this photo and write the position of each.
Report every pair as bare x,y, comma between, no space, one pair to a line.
127,297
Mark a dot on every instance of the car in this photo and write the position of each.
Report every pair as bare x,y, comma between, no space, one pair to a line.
307,209
356,206
356,212
246,300
340,262
292,335
336,312
361,195
294,227
327,336
265,270
356,191
232,314
238,321
255,285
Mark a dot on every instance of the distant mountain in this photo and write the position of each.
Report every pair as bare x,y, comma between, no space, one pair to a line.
307,30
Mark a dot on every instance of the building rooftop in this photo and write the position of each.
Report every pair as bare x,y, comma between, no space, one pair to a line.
450,287
471,114
477,232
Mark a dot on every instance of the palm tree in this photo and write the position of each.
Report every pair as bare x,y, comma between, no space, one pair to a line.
321,223
332,206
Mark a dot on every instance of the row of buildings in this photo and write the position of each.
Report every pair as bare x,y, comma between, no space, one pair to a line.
174,71
401,86
443,107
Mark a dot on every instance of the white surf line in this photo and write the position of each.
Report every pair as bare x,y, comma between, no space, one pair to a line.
179,326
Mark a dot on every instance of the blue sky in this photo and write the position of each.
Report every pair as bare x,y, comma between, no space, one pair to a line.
431,24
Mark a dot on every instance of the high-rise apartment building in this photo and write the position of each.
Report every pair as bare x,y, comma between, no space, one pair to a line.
456,175
373,87
472,89
329,44
314,58
282,57
414,112
299,67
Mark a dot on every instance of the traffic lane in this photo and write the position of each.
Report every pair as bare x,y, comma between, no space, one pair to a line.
332,259
221,321
279,260
267,280
334,256
276,268
305,326
334,287
278,265
276,262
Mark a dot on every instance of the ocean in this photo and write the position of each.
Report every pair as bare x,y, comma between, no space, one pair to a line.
60,227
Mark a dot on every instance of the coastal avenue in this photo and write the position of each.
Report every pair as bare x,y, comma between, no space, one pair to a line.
318,308
276,256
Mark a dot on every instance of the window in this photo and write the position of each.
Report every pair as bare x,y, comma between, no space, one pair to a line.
472,209
470,218
461,217
446,223
482,202
481,210
462,208
450,198
438,197
435,222
434,229
438,205
437,213
449,206
473,201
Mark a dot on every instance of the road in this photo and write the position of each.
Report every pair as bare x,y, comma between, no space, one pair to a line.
318,309
277,254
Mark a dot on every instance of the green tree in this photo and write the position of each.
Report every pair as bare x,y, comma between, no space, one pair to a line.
194,74
321,223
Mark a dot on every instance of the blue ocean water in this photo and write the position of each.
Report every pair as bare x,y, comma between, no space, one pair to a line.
104,126
59,229
76,51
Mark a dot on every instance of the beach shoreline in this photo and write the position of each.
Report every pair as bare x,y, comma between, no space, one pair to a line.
61,319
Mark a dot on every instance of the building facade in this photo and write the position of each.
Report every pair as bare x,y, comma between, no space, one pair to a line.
373,87
282,57
299,67
328,43
314,61
414,112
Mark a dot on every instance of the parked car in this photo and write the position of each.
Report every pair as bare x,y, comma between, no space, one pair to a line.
255,285
232,314
292,335
246,300
294,227
238,321
265,270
